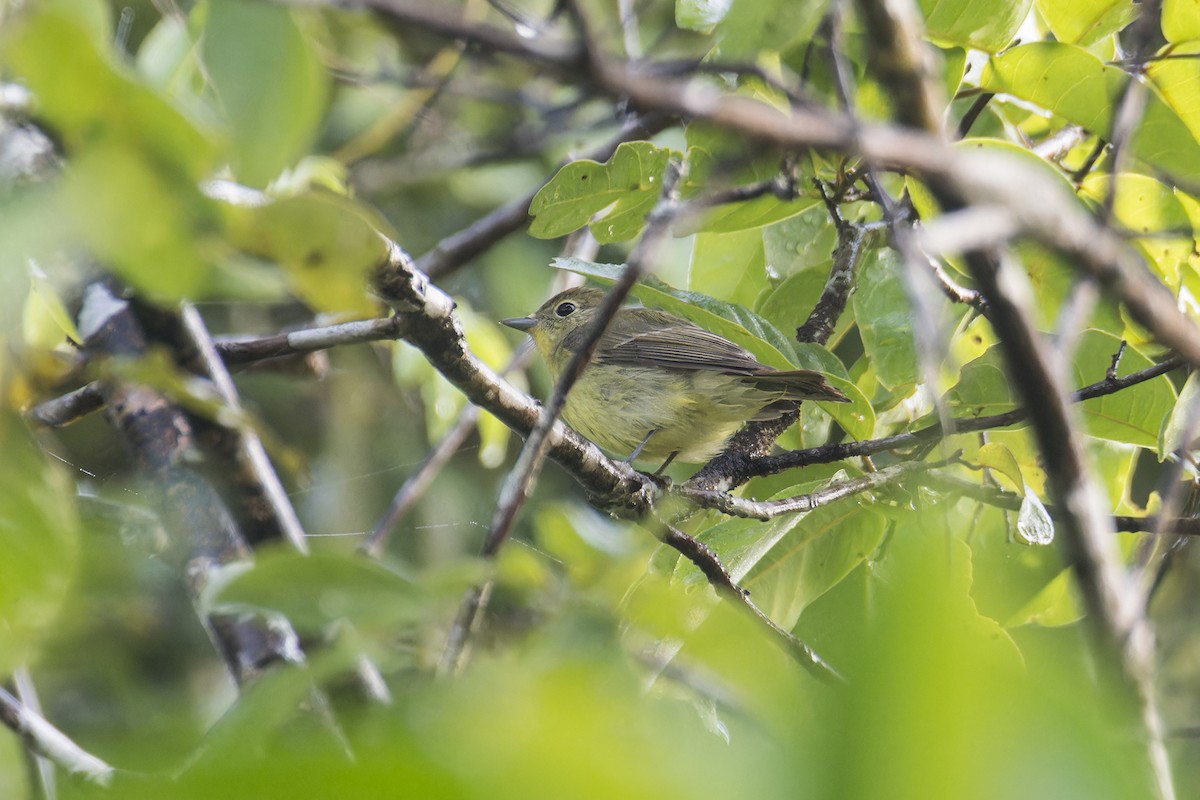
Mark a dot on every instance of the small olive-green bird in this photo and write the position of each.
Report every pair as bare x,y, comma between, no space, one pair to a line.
659,387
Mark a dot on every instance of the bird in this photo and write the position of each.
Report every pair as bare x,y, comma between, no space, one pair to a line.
659,386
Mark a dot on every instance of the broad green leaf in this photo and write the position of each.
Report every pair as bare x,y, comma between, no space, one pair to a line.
753,26
813,557
1178,78
1133,415
1181,20
326,243
987,25
790,303
803,241
1085,22
983,387
1180,420
630,182
1052,607
39,533
144,224
790,561
89,98
751,214
314,591
131,195
1146,206
884,317
1080,88
717,160
728,265
998,457
269,83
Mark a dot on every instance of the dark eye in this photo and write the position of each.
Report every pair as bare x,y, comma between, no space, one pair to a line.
565,309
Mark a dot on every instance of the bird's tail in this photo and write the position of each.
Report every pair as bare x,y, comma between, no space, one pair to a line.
798,384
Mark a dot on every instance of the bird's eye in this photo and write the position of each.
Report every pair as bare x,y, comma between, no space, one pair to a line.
565,309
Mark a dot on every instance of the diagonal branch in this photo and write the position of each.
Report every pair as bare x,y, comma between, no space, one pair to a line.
48,741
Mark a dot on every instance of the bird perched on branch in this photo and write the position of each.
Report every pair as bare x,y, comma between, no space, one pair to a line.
658,386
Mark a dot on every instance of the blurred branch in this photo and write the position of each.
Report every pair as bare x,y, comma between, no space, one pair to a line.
68,408
48,741
257,481
520,481
1121,632
61,411
42,769
161,441
1041,206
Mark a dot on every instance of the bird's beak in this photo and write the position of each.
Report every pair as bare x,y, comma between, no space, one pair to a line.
520,323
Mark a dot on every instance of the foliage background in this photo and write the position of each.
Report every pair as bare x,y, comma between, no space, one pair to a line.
606,666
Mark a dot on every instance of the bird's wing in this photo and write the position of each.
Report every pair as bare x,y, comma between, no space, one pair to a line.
675,344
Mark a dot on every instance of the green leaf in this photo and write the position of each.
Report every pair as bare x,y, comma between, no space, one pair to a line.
328,244
729,265
1000,458
753,26
1085,22
630,182
801,242
987,25
314,591
790,561
1177,424
1080,88
884,317
39,533
1052,607
142,221
1181,20
88,98
812,557
1146,206
269,83
983,388
1176,79
131,196
1133,415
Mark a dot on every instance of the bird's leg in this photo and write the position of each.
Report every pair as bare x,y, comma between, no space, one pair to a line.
666,464
637,450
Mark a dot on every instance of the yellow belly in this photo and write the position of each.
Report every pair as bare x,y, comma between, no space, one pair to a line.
692,412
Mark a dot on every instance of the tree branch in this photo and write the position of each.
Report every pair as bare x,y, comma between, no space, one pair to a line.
48,741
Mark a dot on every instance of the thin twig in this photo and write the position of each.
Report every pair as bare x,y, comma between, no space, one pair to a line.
769,509
523,475
48,741
251,452
719,578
